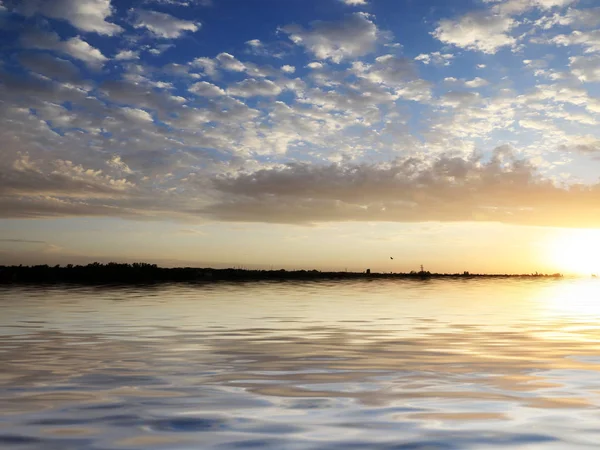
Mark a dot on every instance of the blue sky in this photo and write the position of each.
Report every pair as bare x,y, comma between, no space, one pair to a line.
285,116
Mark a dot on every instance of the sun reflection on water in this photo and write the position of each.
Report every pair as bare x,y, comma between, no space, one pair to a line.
578,298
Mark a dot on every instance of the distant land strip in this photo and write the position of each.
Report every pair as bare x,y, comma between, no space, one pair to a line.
122,273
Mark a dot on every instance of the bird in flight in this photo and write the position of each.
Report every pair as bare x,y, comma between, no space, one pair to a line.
391,257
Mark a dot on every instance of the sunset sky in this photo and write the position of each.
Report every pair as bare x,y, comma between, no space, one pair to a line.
328,134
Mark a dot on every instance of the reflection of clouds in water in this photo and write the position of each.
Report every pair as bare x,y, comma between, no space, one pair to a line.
404,305
267,387
168,368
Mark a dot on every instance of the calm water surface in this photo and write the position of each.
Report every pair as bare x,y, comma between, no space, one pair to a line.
467,364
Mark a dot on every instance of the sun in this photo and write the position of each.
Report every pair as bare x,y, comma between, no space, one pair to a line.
575,251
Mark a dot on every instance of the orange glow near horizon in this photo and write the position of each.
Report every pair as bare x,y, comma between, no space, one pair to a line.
576,251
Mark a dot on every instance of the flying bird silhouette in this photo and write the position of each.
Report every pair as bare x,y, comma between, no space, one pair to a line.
391,257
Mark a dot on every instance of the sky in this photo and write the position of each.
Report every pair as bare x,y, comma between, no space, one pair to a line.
328,134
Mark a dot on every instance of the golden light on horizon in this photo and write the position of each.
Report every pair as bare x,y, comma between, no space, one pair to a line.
575,251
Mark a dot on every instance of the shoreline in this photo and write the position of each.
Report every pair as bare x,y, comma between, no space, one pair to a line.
142,273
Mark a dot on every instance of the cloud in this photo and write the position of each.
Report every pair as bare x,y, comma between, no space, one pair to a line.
447,188
354,36
205,89
476,82
126,55
479,31
192,231
254,43
517,7
23,241
75,47
182,2
538,124
588,17
436,58
458,99
60,178
86,15
163,25
188,137
387,69
50,66
160,49
230,62
208,66
355,2
117,163
79,49
586,68
273,49
251,87
588,39
143,95
136,115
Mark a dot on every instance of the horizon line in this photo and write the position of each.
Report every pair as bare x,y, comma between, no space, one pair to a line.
154,266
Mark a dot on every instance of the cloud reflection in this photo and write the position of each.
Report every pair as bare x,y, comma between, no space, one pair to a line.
180,377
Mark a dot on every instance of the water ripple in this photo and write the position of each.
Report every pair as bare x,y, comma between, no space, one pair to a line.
487,364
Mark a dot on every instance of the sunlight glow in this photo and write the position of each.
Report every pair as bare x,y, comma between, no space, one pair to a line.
576,251
572,299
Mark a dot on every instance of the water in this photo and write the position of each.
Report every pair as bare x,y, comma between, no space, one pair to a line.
465,364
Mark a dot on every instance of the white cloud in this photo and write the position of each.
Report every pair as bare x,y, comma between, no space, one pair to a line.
416,91
355,2
351,37
476,83
230,62
163,25
137,115
586,68
517,7
181,2
588,39
254,43
86,15
117,163
477,31
588,17
437,58
78,48
314,65
288,69
457,99
253,88
538,124
160,49
205,89
60,177
208,65
388,69
125,55
74,47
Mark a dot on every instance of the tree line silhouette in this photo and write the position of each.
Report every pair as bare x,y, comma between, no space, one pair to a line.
124,273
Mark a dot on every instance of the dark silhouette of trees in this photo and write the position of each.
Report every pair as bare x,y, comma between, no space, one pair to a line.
122,273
